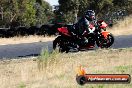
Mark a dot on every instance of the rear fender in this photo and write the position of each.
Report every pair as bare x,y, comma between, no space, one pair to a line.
105,34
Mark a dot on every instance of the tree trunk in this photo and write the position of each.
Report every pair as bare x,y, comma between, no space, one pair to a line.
76,16
1,13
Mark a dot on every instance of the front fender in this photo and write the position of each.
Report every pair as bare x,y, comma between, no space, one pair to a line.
105,34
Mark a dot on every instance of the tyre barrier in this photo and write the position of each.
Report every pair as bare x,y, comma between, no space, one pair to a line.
46,29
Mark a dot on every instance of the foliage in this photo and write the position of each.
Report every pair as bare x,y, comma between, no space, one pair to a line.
101,7
35,12
69,9
25,12
28,17
44,13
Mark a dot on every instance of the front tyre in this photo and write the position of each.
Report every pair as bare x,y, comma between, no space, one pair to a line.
105,42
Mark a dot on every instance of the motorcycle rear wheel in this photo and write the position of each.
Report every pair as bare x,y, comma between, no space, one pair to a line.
60,43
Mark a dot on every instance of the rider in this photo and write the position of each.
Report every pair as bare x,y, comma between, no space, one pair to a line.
83,24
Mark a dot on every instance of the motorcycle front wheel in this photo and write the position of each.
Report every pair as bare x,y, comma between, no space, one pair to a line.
105,43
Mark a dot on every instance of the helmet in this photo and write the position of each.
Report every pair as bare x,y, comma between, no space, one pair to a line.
90,15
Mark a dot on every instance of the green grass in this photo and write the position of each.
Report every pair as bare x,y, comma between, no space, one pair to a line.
47,58
22,85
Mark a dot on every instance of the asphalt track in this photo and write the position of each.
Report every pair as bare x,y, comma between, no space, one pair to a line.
34,49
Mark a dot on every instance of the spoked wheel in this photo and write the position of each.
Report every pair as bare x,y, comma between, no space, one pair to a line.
60,44
105,42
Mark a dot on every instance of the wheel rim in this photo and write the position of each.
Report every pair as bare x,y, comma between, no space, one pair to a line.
60,46
105,43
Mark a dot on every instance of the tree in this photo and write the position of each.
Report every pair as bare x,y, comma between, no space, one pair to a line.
83,6
78,7
24,12
28,17
69,9
123,4
100,6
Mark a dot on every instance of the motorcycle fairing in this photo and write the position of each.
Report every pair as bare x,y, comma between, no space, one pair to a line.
91,28
102,24
64,31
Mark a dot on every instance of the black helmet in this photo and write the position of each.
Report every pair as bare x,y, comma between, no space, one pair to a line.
90,15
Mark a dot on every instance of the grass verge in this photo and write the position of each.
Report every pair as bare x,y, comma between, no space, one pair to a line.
123,27
55,70
25,39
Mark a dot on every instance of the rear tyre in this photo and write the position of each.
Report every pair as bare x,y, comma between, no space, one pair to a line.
61,44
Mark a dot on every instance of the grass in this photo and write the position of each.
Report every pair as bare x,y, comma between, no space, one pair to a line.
46,59
55,70
25,39
22,85
123,27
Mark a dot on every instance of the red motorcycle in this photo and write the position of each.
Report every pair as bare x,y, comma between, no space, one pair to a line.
68,40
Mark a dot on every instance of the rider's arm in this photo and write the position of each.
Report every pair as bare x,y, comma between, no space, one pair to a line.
86,24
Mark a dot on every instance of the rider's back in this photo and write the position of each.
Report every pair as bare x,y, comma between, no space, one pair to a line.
81,25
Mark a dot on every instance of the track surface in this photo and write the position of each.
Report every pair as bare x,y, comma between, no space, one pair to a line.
34,49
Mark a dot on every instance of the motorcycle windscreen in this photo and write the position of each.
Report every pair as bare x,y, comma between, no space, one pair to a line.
103,25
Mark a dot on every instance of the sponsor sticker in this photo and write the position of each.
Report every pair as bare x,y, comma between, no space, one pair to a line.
83,78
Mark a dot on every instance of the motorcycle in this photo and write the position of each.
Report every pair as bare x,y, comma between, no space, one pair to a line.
95,36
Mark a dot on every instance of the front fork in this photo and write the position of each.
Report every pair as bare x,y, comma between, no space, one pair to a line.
102,38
